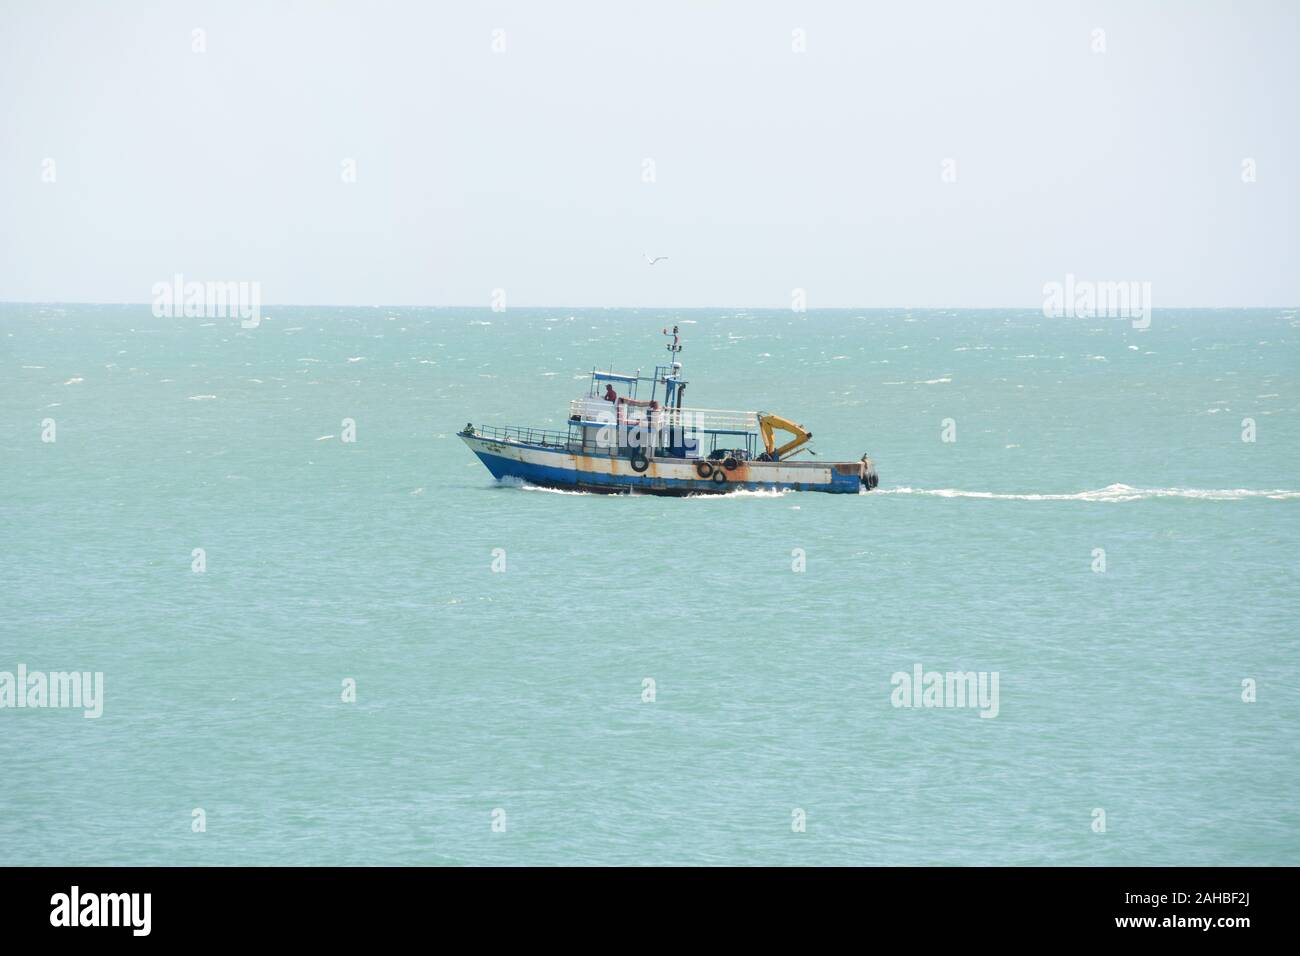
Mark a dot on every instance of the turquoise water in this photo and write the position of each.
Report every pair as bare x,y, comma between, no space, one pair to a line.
522,689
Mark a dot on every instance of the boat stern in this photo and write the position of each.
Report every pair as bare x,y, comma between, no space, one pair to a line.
869,477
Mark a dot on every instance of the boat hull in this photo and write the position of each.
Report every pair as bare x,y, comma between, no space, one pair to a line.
556,467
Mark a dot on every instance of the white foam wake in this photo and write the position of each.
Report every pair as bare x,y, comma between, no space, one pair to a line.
521,485
1109,493
510,481
743,493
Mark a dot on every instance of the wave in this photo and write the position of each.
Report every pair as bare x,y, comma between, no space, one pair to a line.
1109,493
521,485
743,493
510,481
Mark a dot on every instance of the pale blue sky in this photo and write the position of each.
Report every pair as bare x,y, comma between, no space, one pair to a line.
522,170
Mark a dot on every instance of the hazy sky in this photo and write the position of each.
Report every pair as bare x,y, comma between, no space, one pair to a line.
774,170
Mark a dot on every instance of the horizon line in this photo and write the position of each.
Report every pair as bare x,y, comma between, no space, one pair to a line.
462,305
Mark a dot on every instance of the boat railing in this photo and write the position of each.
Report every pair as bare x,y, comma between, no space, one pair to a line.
691,419
527,436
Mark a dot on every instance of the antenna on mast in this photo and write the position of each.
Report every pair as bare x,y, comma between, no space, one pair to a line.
675,345
672,384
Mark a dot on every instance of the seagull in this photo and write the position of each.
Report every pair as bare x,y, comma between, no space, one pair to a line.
655,259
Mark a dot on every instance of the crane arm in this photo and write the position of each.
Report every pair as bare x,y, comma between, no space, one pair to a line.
767,423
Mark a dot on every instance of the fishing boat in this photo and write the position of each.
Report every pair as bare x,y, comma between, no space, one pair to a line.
632,433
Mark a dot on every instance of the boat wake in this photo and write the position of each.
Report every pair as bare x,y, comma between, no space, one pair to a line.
520,485
744,493
1109,493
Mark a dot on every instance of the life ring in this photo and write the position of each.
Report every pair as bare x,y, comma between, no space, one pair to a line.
719,477
639,461
703,469
731,464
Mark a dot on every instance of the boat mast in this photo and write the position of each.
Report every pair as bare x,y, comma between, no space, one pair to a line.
671,383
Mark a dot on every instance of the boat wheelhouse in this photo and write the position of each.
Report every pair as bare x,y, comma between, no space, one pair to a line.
634,433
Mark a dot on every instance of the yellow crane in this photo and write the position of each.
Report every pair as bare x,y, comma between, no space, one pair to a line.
767,423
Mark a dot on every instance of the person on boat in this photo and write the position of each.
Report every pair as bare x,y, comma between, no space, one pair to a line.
610,394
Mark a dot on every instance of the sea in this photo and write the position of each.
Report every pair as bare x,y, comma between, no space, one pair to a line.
327,636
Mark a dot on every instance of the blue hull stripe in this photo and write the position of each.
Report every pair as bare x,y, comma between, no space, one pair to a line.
546,475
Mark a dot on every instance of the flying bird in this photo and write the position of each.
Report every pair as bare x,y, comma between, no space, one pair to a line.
655,259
